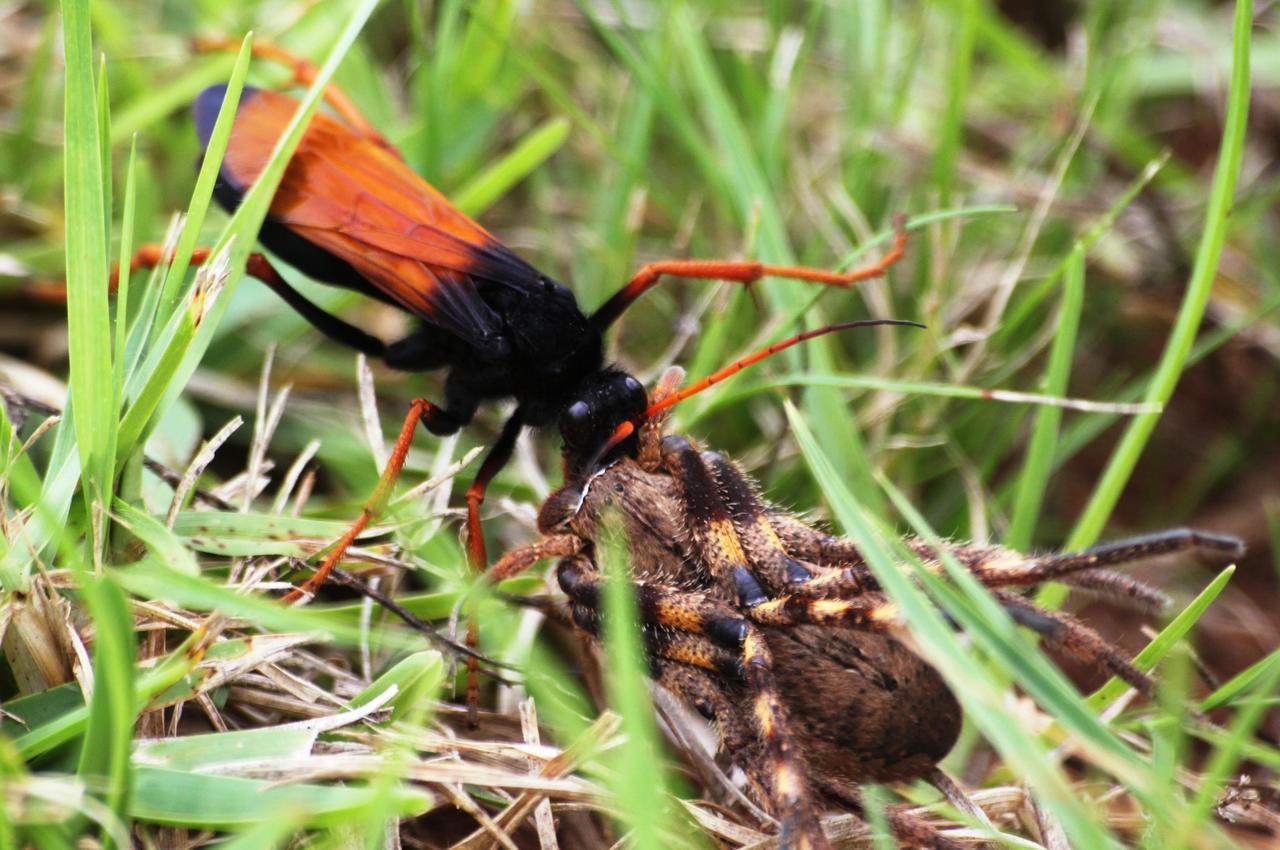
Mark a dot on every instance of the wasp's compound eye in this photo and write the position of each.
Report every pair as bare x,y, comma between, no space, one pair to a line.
575,423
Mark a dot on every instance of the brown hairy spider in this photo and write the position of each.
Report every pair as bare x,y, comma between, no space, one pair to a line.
779,633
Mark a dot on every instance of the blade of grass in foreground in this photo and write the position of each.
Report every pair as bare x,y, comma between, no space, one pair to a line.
122,277
1169,636
1231,690
1181,339
992,630
104,756
639,785
88,321
113,708
534,149
202,193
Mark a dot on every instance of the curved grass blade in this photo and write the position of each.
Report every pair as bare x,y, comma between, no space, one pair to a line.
1182,338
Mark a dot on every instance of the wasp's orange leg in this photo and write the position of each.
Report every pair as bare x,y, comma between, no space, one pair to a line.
304,74
476,554
420,410
743,272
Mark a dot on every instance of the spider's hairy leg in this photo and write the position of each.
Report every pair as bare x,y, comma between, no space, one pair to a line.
841,570
518,560
713,701
649,450
693,630
1066,632
910,830
1016,570
676,628
769,557
807,543
1121,589
711,529
781,573
838,567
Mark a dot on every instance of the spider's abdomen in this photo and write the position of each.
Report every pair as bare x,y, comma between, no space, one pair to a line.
863,707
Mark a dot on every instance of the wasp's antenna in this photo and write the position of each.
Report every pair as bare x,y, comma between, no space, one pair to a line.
627,428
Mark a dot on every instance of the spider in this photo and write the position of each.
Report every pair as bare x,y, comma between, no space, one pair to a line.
779,633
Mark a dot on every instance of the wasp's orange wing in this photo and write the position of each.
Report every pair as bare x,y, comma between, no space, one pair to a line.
360,203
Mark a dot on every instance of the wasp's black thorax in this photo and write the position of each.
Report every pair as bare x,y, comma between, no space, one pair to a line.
548,348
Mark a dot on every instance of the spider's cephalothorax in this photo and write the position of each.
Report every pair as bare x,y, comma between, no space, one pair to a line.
781,635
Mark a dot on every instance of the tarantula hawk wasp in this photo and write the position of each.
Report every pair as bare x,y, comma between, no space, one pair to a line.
350,212
779,632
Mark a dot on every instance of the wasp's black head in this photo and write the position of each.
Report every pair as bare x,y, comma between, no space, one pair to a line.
602,402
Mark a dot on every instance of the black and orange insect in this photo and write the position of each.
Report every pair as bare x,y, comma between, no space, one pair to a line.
350,212
780,634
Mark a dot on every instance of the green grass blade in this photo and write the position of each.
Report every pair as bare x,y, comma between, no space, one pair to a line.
127,225
1126,454
1223,760
950,132
269,834
640,784
1034,479
109,733
535,148
202,801
18,473
1169,636
202,194
913,389
971,605
88,316
1231,690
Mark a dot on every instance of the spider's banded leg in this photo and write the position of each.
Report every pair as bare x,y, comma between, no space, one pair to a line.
909,830
841,567
776,569
715,631
841,572
1120,588
711,699
742,272
1017,570
728,524
516,561
1066,632
871,612
737,734
661,644
420,410
689,618
711,528
304,74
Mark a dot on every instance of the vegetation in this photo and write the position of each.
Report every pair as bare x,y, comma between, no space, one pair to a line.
1092,208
